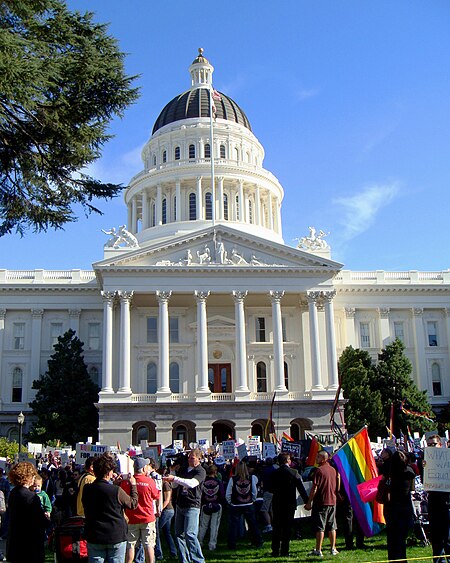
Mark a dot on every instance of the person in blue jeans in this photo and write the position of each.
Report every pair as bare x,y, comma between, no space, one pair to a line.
165,521
188,508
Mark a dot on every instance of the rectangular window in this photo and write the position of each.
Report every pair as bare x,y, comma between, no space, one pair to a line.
260,329
19,336
174,335
399,331
152,329
364,329
55,332
283,329
94,336
432,333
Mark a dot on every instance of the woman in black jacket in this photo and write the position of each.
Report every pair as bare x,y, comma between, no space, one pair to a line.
27,521
105,527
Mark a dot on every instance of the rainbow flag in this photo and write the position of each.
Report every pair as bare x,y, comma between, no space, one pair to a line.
356,464
285,436
314,448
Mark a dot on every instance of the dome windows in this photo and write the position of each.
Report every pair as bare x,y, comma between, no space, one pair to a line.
177,153
225,207
208,206
164,156
192,207
164,211
207,150
191,151
223,153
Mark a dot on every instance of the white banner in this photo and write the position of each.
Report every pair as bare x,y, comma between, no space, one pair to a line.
436,469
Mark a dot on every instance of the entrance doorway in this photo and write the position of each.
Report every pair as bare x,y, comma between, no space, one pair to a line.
219,378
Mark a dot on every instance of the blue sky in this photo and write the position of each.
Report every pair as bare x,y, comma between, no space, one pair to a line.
350,99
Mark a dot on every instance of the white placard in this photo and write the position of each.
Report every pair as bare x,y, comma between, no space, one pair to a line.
436,469
242,451
89,450
228,449
178,445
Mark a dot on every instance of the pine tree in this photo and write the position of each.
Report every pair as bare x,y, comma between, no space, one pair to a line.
64,404
363,406
394,382
62,81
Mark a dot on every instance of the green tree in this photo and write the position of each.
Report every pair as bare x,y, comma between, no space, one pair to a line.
363,406
9,449
64,404
394,382
62,81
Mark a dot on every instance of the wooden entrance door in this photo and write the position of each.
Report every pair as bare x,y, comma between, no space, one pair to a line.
219,378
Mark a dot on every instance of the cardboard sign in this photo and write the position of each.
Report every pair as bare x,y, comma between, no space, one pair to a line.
178,445
228,447
126,464
254,446
436,469
269,450
293,448
83,451
242,451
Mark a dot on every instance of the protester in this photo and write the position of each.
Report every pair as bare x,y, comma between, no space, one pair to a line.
213,497
398,508
105,526
322,500
27,521
284,484
87,478
5,487
266,508
165,520
438,514
188,508
241,494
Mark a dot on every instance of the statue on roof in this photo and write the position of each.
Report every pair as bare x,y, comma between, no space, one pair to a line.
120,237
314,241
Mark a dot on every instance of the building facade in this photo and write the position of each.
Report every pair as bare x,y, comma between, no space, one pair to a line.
198,312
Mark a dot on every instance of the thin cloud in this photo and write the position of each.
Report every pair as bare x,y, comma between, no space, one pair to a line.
305,94
119,171
360,210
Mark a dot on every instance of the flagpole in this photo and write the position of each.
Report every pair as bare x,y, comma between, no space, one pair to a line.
348,440
213,183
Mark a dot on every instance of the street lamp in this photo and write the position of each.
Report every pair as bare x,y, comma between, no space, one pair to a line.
20,420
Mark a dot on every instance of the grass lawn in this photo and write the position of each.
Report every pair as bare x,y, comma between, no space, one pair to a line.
299,549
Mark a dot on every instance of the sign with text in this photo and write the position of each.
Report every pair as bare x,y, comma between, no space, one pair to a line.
83,451
242,451
178,445
293,448
228,447
254,446
269,450
436,469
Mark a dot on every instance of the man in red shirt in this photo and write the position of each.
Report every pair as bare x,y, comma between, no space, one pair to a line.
322,499
141,520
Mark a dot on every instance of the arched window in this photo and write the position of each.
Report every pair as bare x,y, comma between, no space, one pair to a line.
175,208
222,151
238,208
192,207
261,377
143,430
248,156
153,214
142,433
177,153
191,151
180,432
164,211
152,385
208,206
250,211
17,383
236,153
436,379
286,375
174,377
94,375
154,160
164,156
207,150
225,207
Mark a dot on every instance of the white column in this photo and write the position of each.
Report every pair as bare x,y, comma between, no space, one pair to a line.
108,330
312,297
36,336
220,198
145,215
74,320
278,352
258,206
350,332
241,341
133,216
383,313
129,216
125,342
333,379
163,341
158,204
199,198
202,342
241,201
269,204
178,200
2,336
419,348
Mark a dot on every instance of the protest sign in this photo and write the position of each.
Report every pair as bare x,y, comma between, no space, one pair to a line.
83,451
126,464
293,448
228,447
269,450
178,445
242,451
254,446
436,469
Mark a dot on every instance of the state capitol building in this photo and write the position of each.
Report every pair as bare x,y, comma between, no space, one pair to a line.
198,311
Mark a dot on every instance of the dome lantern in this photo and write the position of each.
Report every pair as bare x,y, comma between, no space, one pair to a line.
201,71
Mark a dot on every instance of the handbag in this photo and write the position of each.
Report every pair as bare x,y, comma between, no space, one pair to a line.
383,491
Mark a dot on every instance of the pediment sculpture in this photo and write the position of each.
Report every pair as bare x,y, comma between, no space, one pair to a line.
120,238
314,241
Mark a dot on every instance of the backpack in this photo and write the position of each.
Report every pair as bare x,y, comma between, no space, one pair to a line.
242,491
211,496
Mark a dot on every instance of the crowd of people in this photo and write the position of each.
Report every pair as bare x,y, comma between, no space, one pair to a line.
126,515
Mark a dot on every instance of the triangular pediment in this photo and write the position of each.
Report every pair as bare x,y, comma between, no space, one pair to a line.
216,248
